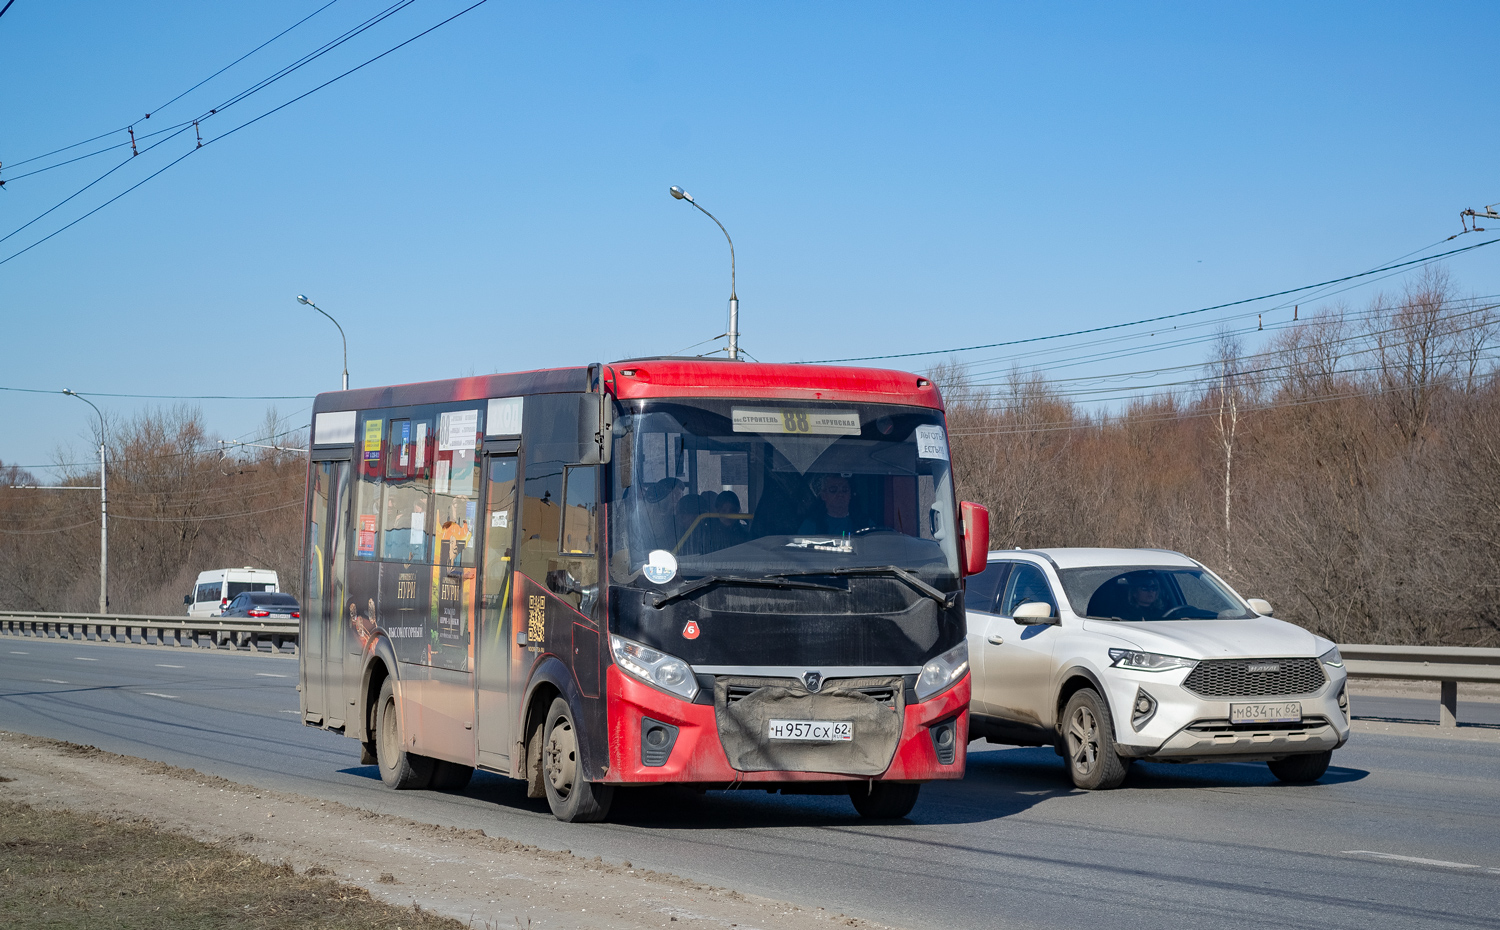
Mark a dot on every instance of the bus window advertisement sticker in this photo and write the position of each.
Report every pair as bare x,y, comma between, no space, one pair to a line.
796,422
405,443
421,444
366,543
373,429
660,567
418,525
457,430
931,443
500,519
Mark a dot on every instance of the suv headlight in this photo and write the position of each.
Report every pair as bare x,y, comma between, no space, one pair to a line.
1332,659
942,671
1138,661
654,667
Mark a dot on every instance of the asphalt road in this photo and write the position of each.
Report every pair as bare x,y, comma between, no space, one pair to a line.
1401,832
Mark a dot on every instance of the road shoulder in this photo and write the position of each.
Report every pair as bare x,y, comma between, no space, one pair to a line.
489,881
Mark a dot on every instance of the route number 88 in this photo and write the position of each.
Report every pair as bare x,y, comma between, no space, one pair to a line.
794,421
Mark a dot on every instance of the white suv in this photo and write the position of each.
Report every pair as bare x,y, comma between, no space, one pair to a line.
1112,655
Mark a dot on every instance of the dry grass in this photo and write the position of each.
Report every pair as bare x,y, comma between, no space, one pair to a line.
64,870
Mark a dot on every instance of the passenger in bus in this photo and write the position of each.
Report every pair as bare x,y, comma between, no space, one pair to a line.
729,529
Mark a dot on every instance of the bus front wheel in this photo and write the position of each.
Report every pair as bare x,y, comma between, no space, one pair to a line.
573,798
399,769
885,800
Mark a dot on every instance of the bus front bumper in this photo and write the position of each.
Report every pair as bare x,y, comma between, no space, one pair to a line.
697,757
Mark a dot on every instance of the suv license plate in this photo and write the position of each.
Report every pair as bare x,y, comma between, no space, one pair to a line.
820,731
1253,714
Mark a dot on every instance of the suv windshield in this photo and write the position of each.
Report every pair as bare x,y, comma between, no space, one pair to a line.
709,488
1140,594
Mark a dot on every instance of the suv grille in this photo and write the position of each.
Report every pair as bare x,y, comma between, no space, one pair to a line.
1255,677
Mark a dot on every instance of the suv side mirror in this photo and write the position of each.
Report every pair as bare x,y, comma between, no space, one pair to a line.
1033,612
976,538
1260,605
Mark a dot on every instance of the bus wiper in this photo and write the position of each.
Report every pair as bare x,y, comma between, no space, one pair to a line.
774,581
945,599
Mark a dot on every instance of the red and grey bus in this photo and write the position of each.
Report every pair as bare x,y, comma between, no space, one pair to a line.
710,573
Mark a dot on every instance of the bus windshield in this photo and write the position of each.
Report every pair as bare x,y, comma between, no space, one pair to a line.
746,488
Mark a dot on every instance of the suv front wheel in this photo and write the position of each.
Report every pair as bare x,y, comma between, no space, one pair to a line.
1088,734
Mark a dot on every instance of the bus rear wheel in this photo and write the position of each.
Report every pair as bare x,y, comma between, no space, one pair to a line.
885,800
399,769
572,797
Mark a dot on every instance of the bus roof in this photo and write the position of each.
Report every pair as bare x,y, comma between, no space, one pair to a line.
661,377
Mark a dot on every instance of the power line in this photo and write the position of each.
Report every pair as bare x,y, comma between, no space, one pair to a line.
1103,421
170,396
257,86
223,135
1157,319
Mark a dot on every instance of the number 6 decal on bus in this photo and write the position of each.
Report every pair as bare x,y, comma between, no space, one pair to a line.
691,630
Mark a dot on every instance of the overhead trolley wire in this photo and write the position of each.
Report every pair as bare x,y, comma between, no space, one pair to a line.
1157,319
235,98
170,396
230,132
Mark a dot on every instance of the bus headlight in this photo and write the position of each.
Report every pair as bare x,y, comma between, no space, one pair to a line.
942,671
654,667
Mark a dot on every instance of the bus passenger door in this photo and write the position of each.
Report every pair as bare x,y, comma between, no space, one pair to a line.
495,641
321,638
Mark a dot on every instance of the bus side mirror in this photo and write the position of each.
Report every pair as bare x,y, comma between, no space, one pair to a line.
976,539
596,427
187,599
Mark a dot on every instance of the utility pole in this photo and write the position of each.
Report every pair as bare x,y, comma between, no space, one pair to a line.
103,510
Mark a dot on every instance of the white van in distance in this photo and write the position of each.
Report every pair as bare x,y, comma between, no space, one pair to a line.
217,587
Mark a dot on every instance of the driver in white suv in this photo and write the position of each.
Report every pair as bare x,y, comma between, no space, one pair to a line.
1113,655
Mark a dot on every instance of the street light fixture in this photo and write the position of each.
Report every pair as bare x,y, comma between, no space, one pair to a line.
103,510
734,301
302,299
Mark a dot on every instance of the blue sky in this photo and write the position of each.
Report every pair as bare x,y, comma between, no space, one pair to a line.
897,178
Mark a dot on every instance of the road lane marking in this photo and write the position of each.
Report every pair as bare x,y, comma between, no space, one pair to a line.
154,694
1415,860
268,675
55,681
82,659
164,665
291,712
15,653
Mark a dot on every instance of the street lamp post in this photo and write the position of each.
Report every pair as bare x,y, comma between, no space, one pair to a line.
734,301
302,299
103,510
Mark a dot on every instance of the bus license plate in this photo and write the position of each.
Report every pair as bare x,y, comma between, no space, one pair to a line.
820,731
1252,714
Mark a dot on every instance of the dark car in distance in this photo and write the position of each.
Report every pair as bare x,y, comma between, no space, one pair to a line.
264,605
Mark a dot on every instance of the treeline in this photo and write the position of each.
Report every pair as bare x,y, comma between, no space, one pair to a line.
180,502
1349,472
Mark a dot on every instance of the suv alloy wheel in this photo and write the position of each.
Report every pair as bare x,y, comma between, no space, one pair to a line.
1088,733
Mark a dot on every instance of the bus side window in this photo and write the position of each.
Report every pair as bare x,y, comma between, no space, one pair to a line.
573,573
579,507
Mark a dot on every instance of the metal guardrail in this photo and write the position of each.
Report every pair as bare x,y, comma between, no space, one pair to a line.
238,633
1447,665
